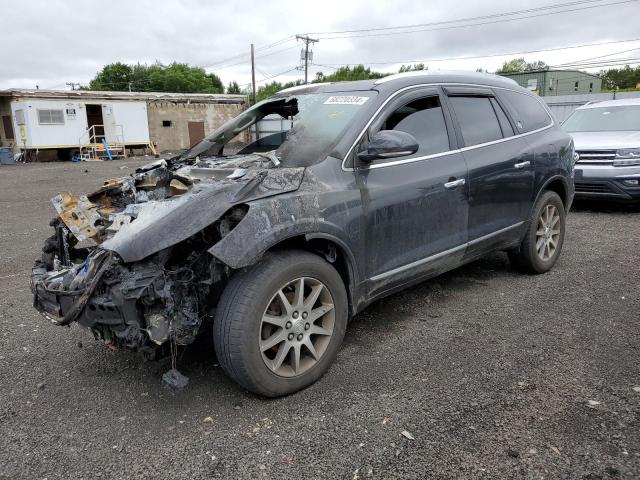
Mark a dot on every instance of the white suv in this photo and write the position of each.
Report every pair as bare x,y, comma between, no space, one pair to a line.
607,142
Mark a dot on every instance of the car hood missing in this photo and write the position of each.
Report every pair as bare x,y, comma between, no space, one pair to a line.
164,203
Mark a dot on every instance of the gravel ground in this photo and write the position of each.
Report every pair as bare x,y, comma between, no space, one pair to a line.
494,374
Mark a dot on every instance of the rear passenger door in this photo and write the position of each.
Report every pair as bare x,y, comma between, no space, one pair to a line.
500,168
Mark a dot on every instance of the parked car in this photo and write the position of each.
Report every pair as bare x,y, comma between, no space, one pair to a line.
607,143
377,186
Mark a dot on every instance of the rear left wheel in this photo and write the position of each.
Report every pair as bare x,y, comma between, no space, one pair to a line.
280,323
543,241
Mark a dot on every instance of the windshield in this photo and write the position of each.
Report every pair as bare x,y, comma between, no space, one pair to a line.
604,119
302,129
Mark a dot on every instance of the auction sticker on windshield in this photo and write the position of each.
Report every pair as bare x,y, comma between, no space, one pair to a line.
345,100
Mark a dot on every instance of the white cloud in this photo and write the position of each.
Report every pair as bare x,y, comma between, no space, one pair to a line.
50,42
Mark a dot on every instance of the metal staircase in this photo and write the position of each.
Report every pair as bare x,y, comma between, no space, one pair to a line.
93,144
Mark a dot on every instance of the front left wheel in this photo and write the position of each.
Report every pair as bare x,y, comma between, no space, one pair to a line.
280,323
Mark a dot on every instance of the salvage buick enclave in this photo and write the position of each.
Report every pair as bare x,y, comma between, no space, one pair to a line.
369,187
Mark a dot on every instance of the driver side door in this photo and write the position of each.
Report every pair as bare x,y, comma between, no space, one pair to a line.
415,207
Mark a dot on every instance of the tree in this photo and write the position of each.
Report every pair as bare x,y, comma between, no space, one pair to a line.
176,77
623,78
521,65
412,68
274,87
115,76
346,73
234,88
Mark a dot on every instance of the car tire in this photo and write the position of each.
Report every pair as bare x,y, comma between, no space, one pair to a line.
542,243
266,345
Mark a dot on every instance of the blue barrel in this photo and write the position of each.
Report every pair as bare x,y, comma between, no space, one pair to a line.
6,156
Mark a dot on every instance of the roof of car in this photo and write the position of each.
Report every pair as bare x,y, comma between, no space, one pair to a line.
612,103
400,80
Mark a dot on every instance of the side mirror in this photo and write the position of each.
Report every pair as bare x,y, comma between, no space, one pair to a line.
389,144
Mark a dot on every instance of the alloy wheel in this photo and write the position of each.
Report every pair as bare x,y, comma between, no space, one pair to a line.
548,232
296,326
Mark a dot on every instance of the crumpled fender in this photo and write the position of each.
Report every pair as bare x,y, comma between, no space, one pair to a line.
269,222
162,224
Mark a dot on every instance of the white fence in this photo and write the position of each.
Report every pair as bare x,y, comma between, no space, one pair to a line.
563,105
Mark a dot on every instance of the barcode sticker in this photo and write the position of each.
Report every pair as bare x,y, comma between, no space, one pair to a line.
345,100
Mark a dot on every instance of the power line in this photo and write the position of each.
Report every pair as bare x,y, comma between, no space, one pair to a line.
257,49
459,20
270,77
586,4
478,23
603,63
603,56
257,56
473,57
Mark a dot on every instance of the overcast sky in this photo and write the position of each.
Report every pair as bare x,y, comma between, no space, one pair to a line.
51,42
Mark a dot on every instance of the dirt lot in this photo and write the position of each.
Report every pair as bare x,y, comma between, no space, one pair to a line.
494,374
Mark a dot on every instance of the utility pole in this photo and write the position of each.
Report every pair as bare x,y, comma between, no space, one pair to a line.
307,40
72,85
253,77
253,89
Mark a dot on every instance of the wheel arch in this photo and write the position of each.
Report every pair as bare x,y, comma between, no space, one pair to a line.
334,251
558,184
259,233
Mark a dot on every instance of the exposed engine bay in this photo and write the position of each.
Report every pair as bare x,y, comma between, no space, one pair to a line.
130,261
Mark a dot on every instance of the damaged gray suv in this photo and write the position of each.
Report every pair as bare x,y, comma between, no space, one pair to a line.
369,187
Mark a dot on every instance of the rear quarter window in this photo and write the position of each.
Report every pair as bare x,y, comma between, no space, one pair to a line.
526,110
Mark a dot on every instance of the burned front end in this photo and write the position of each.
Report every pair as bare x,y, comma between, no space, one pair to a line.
130,261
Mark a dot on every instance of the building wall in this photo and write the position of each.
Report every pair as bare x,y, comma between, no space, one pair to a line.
557,82
532,81
176,135
571,83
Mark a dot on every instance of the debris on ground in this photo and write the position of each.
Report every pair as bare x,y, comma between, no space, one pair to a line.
174,379
406,434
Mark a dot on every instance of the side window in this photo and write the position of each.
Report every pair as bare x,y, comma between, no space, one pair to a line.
526,110
505,126
423,118
50,117
477,119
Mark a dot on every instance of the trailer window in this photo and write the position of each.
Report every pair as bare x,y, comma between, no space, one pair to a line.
20,117
50,117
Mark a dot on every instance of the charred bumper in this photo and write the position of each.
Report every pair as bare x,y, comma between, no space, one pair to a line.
128,306
61,295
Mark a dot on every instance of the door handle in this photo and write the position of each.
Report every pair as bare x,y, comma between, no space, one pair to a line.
455,183
522,164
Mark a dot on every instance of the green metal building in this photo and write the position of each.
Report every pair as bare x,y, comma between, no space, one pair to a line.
557,82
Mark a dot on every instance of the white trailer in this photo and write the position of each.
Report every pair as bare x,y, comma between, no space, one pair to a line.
82,125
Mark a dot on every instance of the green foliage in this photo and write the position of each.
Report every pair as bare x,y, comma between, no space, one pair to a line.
521,65
234,88
621,78
412,68
347,74
176,77
115,76
268,89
